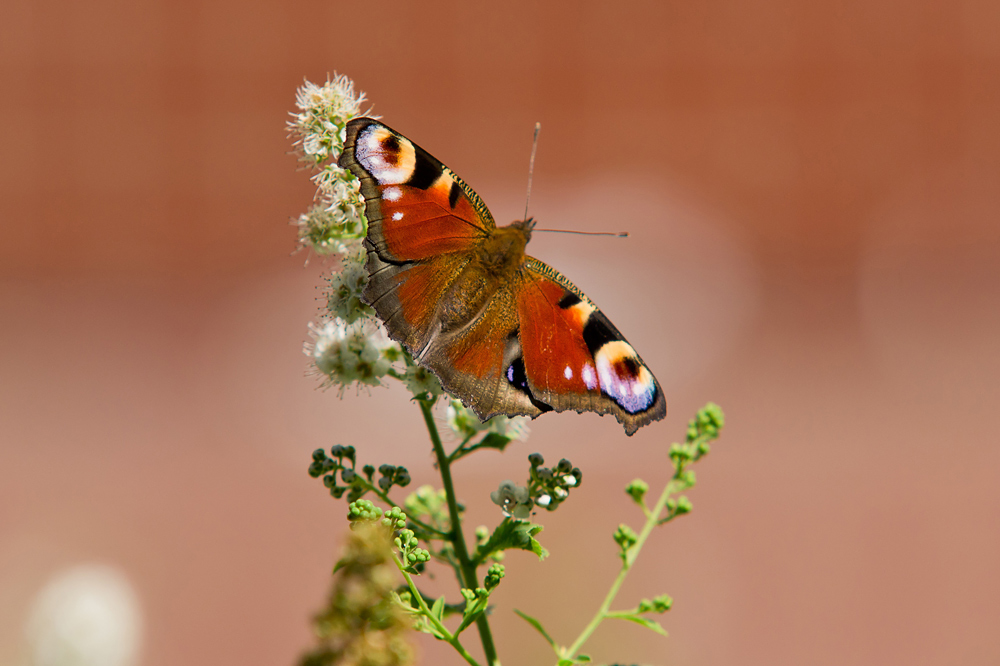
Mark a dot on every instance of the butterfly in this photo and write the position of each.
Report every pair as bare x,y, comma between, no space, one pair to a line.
503,332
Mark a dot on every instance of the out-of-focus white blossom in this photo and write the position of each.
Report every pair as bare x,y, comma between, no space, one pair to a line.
513,499
464,423
87,615
348,353
421,382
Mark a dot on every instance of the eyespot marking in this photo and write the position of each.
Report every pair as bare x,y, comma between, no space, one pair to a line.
387,157
589,378
390,145
392,194
623,378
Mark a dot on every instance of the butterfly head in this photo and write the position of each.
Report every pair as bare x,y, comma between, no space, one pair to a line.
525,225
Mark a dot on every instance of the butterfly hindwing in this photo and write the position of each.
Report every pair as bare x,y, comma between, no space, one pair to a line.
470,360
575,358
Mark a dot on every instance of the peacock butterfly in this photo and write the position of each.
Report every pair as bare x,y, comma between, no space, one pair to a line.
503,332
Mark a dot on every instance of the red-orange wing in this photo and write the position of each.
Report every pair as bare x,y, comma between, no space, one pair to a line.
572,357
416,207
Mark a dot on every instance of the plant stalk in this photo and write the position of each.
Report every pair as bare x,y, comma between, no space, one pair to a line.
630,556
469,579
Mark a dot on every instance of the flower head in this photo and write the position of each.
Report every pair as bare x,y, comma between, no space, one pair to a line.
319,129
422,383
343,295
348,353
464,423
337,224
514,500
324,112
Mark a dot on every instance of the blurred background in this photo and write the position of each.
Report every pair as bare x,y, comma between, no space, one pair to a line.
812,193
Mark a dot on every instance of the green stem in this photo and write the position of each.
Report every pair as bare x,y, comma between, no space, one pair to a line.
469,579
450,637
630,556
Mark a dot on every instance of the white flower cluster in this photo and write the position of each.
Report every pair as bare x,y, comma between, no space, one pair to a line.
337,223
349,345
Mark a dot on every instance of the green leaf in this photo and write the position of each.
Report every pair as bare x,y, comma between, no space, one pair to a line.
493,441
538,627
437,610
512,535
649,624
428,627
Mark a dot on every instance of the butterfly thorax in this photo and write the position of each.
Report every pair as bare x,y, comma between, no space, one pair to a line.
494,263
502,252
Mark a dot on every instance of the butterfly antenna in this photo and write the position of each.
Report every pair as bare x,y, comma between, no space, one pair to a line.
531,167
527,199
616,234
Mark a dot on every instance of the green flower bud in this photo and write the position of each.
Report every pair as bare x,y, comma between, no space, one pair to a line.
625,537
637,490
493,576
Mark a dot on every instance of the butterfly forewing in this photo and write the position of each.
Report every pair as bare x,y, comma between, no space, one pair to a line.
416,207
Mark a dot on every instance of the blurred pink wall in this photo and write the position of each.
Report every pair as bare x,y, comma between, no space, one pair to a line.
813,192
